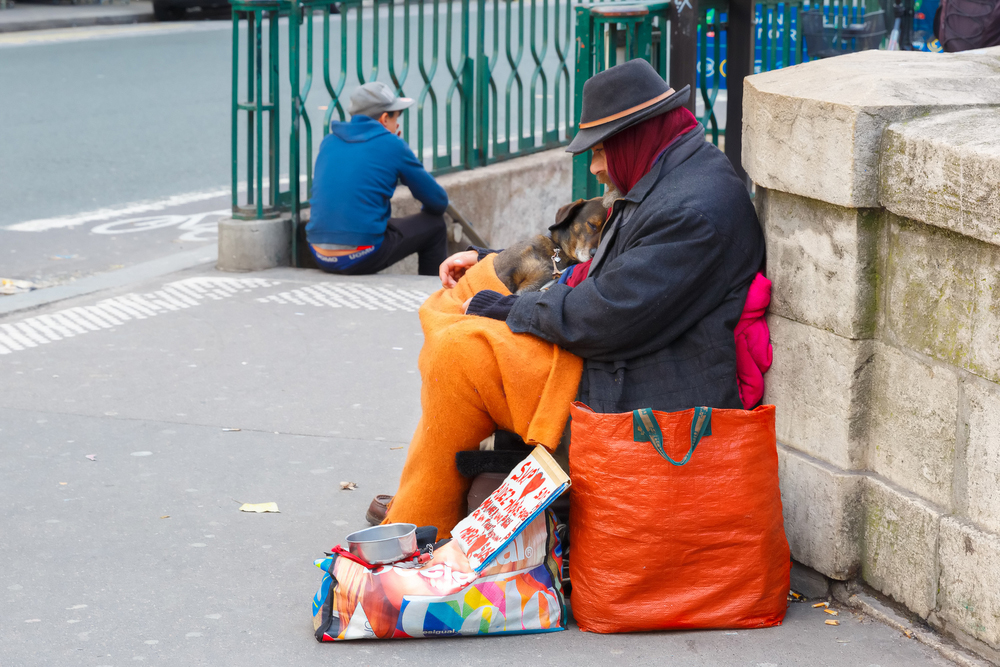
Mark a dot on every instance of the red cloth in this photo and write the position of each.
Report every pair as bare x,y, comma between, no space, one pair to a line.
579,273
753,343
632,152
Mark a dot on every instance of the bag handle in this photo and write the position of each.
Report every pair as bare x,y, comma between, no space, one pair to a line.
645,429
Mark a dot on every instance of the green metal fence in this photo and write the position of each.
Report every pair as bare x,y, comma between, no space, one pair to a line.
260,97
492,79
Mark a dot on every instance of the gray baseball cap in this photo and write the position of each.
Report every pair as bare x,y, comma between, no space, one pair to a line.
375,98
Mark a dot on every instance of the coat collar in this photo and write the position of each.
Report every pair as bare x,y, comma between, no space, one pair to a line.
676,153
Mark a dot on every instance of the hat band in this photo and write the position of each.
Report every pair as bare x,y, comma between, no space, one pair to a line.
622,114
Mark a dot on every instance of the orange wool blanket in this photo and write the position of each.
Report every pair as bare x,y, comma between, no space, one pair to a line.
477,377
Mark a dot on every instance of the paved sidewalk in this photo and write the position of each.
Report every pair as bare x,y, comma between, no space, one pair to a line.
122,543
32,16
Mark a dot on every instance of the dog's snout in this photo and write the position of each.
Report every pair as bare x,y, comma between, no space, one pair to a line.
593,251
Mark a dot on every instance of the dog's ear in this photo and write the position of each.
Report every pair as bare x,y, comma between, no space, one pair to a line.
566,213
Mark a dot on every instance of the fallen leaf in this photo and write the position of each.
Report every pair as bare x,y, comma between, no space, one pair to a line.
832,622
165,516
92,457
259,507
400,447
821,604
348,486
832,612
230,429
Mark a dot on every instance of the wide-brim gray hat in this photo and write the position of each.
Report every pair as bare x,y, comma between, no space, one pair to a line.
620,97
374,99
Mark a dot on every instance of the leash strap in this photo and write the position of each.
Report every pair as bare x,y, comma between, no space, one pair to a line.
646,429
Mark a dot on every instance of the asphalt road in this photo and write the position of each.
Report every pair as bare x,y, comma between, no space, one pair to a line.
96,120
122,542
117,144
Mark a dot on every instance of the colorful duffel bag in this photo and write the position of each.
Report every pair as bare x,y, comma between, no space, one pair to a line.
675,520
518,592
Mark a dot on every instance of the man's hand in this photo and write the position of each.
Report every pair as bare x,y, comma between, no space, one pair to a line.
453,268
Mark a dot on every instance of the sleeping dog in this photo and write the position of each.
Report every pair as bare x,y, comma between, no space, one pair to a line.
528,265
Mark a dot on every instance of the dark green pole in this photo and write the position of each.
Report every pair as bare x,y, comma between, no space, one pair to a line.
274,113
482,118
684,48
294,20
468,111
739,55
235,105
584,70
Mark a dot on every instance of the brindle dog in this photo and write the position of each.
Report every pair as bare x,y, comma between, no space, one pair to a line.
527,266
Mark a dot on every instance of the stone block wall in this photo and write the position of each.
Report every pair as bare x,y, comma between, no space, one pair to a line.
878,186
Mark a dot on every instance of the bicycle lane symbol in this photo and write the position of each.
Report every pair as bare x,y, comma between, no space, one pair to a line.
196,226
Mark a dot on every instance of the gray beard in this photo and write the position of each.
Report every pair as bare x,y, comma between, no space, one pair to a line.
611,195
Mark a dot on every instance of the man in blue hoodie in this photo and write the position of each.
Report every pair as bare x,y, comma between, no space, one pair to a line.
359,164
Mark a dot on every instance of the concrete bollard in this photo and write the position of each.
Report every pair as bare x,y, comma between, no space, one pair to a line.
254,245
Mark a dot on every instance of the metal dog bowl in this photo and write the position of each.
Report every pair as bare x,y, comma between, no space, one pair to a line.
385,544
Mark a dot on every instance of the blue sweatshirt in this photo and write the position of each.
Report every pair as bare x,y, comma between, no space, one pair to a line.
357,170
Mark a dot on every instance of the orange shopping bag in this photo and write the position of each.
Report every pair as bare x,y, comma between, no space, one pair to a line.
676,520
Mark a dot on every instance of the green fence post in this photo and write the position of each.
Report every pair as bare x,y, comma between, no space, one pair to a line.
256,106
595,52
562,73
235,108
584,70
274,117
644,41
258,102
467,66
294,28
482,89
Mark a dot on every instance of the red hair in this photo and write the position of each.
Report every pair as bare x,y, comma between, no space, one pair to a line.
632,152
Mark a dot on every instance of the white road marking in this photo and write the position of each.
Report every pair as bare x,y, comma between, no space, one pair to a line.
350,295
114,312
108,313
31,333
103,214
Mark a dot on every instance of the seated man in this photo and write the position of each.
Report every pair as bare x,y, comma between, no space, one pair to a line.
653,321
359,164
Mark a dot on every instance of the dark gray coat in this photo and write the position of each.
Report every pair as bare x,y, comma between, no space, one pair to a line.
655,319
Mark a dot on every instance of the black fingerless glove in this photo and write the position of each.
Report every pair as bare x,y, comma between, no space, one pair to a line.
491,304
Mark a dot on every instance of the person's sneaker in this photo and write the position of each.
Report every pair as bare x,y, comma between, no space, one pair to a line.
378,509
